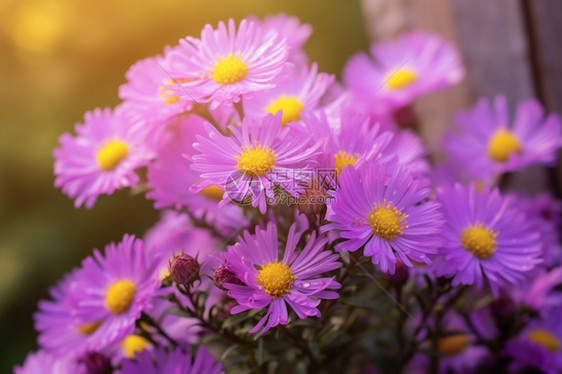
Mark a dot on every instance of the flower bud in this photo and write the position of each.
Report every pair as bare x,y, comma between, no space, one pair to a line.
313,200
223,275
400,276
184,269
97,363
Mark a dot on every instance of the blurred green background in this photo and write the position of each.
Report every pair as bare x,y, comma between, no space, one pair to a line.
60,58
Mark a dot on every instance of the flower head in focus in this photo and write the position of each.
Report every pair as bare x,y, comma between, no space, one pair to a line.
257,157
227,62
99,303
102,157
272,282
486,238
383,208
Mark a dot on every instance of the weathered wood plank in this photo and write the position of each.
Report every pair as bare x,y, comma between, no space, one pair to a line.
545,18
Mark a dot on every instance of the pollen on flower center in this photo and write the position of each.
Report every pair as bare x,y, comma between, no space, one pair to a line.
479,240
545,338
256,160
386,222
133,344
291,107
452,344
276,278
120,296
502,145
401,79
111,154
213,192
343,159
229,70
89,328
165,94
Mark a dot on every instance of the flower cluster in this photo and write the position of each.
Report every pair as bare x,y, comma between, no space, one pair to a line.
303,225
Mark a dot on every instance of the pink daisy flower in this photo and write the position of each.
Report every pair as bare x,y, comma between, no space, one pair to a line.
399,71
99,303
102,158
145,90
227,63
488,143
486,238
255,159
299,92
273,282
383,209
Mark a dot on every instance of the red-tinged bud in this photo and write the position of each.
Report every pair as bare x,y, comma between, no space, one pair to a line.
184,270
401,274
97,363
223,275
313,200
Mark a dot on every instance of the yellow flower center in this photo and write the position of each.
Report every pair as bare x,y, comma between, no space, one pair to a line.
256,160
120,296
166,95
479,240
502,145
452,344
213,192
545,338
111,154
89,328
386,222
291,107
343,159
230,69
276,278
401,79
133,344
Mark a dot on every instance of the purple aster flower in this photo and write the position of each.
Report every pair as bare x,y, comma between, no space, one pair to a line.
175,361
415,64
486,237
98,304
145,90
540,293
273,282
102,158
488,144
45,363
170,178
539,346
297,93
384,209
545,214
227,63
251,162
